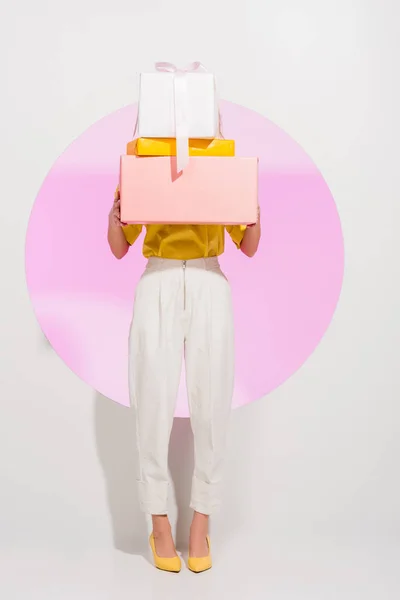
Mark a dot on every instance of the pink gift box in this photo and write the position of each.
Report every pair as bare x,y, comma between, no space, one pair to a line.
211,190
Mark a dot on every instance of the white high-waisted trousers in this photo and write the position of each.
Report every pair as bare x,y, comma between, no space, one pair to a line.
183,309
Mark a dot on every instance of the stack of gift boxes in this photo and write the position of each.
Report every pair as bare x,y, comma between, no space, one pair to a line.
179,170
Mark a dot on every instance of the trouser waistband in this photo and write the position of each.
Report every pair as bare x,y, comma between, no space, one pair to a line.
208,264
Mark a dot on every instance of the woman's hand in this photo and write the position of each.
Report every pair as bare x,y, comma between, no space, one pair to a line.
258,218
251,238
116,237
115,212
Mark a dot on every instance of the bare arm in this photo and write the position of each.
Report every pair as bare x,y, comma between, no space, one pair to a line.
251,238
116,238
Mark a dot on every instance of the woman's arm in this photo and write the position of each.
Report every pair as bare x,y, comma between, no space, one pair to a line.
117,241
251,238
116,237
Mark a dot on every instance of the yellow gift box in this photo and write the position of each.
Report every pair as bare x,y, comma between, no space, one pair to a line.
167,147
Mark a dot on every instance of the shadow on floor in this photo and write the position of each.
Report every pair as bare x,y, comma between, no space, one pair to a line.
115,436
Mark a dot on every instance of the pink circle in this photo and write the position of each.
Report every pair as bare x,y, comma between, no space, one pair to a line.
284,297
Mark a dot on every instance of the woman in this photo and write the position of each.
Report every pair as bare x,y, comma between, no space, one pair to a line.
183,308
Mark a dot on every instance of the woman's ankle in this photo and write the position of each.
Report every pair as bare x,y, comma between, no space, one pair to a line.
200,520
161,524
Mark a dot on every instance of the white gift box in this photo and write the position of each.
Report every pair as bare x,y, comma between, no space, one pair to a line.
178,103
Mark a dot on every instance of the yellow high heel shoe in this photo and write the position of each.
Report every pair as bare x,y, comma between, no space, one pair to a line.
165,564
198,565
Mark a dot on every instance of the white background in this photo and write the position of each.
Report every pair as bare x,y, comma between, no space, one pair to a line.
312,489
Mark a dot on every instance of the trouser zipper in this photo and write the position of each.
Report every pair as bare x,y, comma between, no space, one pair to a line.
184,284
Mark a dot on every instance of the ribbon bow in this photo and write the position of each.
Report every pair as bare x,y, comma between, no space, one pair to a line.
193,67
180,99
